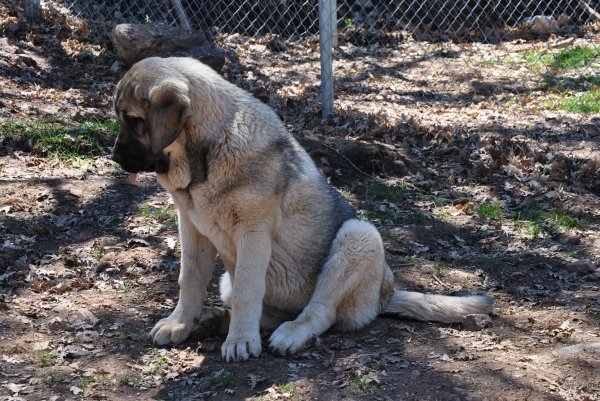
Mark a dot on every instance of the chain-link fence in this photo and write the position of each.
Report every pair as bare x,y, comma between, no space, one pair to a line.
443,19
292,19
509,63
376,29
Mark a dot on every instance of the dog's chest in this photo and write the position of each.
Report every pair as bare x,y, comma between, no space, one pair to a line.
217,236
205,216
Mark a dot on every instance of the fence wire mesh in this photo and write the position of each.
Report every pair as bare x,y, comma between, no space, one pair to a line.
511,66
468,51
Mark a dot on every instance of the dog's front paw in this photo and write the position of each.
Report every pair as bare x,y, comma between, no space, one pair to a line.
171,330
240,347
289,338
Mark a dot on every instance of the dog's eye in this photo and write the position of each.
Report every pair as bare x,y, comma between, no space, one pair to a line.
131,119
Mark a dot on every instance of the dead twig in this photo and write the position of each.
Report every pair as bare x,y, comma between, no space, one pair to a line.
590,10
348,160
330,362
446,286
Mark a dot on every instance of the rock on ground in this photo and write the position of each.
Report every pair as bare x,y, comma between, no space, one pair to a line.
135,42
476,322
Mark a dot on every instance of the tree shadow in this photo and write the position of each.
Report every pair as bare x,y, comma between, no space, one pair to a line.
70,222
353,351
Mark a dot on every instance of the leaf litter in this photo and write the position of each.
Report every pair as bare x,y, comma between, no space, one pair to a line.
83,276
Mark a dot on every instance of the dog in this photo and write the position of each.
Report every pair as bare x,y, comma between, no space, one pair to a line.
298,261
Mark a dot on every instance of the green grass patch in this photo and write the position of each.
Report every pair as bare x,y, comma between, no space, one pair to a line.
533,229
126,286
571,70
97,252
126,379
374,192
45,358
569,58
563,83
33,181
85,381
564,220
575,57
159,367
349,196
61,138
539,222
490,210
69,259
167,215
363,386
538,58
438,202
442,212
586,102
378,214
49,379
223,378
388,215
379,190
288,387
413,218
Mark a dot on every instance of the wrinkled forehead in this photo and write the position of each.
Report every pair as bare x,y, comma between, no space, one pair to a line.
131,96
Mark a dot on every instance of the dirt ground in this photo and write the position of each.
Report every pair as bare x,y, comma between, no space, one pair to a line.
472,182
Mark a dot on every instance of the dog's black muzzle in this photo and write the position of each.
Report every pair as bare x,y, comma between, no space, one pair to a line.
134,159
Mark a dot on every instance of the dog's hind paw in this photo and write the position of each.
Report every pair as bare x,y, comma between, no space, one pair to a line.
214,321
289,338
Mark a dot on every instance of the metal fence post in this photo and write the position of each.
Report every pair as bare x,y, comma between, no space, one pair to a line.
32,8
327,12
333,22
183,19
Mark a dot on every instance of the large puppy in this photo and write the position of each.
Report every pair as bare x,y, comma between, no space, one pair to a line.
298,261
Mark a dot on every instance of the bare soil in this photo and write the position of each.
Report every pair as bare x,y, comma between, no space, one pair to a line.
89,262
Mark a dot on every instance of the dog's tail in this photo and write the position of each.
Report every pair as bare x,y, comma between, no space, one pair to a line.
438,308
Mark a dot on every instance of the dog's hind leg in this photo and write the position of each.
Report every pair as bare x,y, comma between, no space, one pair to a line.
348,291
197,264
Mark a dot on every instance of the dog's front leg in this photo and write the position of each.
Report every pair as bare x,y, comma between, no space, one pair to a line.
197,265
249,286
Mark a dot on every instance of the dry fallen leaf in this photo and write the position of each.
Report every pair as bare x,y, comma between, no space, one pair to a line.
171,242
15,388
40,285
75,390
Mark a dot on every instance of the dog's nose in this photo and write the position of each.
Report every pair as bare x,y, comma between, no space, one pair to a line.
116,156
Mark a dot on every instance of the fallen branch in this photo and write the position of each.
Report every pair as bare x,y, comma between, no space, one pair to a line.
348,160
446,286
590,10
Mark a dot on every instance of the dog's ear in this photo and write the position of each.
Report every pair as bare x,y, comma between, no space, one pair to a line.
168,111
116,98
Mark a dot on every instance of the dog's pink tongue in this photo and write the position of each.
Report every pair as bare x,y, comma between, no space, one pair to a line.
132,177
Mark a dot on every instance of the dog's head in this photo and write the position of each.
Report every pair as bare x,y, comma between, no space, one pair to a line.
152,106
